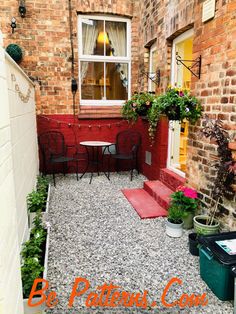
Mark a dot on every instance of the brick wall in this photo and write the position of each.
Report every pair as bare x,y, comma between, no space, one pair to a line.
45,39
215,42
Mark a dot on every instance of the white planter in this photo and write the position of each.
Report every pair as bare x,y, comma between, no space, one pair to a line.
33,310
174,230
40,308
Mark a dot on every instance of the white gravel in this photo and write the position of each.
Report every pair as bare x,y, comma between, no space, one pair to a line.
97,235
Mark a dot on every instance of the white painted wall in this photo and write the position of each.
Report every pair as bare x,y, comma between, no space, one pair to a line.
18,170
23,140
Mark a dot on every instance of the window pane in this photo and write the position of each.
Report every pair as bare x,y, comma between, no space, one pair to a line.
116,32
92,87
152,69
116,81
91,37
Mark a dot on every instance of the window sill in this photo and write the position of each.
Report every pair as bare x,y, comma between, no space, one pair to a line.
97,112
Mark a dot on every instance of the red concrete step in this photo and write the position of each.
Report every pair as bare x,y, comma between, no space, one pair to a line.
159,191
144,204
171,179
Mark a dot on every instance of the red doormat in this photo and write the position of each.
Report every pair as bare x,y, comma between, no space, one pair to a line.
144,204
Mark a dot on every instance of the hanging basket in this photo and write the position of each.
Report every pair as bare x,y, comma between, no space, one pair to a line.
15,52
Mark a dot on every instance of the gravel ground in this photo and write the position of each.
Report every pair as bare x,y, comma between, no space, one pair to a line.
97,235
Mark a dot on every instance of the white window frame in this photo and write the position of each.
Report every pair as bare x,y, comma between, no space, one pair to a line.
152,49
107,59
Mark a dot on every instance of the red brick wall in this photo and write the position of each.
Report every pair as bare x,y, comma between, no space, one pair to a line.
215,42
45,39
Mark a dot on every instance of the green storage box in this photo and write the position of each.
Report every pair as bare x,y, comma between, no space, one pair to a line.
217,276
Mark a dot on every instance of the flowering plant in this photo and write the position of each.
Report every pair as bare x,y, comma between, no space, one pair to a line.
138,105
185,199
175,103
179,104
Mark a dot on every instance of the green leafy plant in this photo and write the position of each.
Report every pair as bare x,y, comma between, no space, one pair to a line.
175,214
179,104
186,199
42,184
36,201
175,103
30,270
31,253
138,105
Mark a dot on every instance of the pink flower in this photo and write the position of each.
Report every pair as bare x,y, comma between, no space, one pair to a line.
190,193
181,93
134,104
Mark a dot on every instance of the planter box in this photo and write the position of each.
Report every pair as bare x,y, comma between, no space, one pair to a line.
39,309
32,215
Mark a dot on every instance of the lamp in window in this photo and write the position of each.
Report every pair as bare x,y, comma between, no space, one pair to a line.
102,37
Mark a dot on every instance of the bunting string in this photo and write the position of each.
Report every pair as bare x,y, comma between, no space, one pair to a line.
80,125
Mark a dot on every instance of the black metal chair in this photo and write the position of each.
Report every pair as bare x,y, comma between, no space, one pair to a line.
127,146
54,152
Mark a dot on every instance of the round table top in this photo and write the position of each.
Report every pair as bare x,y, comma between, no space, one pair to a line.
95,143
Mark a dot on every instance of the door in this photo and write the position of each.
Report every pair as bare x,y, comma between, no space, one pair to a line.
180,77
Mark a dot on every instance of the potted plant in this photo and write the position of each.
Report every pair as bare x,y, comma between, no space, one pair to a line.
193,243
37,201
34,261
177,104
225,176
186,199
174,223
138,105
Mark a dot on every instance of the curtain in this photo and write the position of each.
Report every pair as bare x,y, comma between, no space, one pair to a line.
117,35
90,34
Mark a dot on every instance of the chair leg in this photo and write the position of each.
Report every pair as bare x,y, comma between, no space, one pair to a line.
131,174
77,170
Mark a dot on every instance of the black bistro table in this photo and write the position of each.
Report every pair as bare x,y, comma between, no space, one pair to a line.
96,159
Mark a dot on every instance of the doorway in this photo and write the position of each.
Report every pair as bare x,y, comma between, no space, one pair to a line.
180,77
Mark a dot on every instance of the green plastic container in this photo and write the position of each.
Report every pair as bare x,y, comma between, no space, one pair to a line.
217,276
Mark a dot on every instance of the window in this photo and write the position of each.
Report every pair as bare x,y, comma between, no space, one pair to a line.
152,68
104,60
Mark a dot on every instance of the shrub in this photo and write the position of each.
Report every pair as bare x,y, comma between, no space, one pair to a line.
32,254
36,201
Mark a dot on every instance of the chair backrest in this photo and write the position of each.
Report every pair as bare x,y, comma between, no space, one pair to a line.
52,143
128,142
